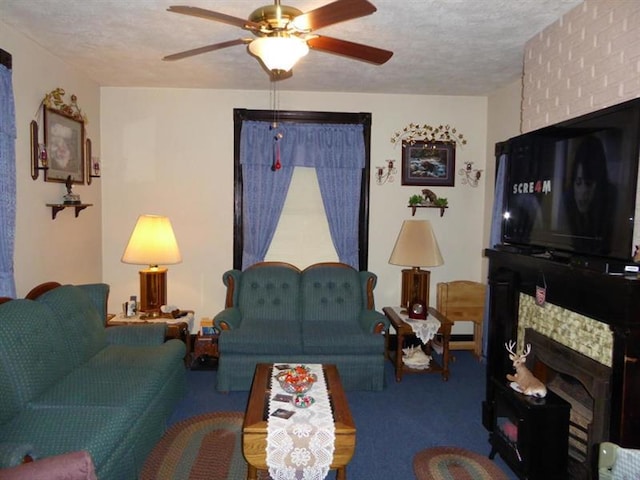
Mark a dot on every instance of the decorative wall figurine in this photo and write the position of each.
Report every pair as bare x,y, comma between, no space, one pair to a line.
470,175
385,174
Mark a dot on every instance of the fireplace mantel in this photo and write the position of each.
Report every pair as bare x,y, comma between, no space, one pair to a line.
610,299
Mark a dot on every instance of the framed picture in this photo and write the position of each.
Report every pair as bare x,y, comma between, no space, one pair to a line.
64,140
430,164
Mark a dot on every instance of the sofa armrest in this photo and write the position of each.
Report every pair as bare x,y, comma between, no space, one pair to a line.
68,466
12,454
228,319
231,280
139,335
373,322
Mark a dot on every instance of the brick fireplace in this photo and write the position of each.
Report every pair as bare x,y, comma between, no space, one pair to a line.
585,347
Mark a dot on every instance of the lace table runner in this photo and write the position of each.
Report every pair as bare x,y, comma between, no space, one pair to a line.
425,330
301,446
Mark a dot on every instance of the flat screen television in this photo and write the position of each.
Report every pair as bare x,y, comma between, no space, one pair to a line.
571,187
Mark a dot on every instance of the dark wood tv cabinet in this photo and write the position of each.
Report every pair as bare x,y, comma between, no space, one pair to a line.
530,434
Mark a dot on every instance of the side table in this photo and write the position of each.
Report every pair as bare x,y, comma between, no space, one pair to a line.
205,351
404,329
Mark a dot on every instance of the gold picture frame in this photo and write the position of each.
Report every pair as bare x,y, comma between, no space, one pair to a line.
64,140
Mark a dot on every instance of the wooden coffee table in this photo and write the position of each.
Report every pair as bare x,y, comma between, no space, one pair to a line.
254,428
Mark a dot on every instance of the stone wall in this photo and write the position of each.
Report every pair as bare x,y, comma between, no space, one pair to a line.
582,334
586,61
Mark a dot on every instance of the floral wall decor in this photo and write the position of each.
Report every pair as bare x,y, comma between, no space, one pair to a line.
54,100
428,154
413,133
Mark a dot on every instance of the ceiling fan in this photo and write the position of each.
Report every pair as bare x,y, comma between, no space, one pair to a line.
284,34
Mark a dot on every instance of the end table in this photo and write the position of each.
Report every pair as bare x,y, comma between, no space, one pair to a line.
205,351
404,329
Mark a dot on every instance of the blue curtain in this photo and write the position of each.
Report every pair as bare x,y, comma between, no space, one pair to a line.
337,153
340,190
7,183
495,236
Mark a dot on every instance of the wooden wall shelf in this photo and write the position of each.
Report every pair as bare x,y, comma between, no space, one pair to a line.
413,208
57,207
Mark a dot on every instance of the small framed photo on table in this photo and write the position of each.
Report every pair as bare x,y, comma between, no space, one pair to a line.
429,164
64,140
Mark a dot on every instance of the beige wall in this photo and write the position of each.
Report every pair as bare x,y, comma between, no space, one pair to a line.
586,61
66,249
170,151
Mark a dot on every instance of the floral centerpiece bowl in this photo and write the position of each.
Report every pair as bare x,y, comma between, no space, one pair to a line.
297,380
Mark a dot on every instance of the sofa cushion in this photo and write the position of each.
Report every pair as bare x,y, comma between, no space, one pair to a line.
118,376
32,354
277,337
331,294
77,320
322,339
154,357
268,294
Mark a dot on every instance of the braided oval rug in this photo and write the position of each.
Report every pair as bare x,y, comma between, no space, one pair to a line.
207,446
452,463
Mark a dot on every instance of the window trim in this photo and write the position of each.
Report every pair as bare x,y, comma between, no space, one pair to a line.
240,115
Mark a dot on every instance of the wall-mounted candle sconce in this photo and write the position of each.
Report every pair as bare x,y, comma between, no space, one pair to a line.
385,174
39,160
93,162
469,174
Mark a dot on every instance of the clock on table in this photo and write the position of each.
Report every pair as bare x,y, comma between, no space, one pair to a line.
417,309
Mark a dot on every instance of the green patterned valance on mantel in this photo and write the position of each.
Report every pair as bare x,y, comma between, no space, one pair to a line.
590,337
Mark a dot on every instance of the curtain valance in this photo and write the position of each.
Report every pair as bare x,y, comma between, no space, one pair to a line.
304,144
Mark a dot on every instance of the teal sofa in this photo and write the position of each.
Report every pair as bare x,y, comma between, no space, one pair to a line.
67,383
276,313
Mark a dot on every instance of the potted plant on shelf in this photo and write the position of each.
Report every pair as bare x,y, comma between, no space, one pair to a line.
415,200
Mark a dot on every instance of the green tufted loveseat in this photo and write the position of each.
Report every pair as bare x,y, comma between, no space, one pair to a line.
67,383
323,314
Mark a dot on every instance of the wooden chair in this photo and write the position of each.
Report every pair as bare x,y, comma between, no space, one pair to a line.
463,300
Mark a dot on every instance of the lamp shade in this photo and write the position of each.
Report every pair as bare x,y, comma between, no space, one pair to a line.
152,242
279,53
416,246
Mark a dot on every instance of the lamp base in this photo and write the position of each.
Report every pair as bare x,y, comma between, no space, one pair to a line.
415,286
153,290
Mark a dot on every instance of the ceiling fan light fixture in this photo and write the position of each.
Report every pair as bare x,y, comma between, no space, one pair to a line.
279,53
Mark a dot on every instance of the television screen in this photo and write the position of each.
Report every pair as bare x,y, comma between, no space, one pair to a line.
572,187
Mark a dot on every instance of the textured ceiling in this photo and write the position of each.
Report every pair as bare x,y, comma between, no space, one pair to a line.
441,47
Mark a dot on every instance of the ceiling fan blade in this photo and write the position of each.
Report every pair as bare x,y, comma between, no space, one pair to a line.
208,48
211,15
334,12
357,51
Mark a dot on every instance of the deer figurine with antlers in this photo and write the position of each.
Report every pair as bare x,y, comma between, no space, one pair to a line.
523,381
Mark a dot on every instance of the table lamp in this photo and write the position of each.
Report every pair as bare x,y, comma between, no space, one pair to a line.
416,246
152,243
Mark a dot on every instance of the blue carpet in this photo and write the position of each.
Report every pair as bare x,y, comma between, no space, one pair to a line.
420,412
